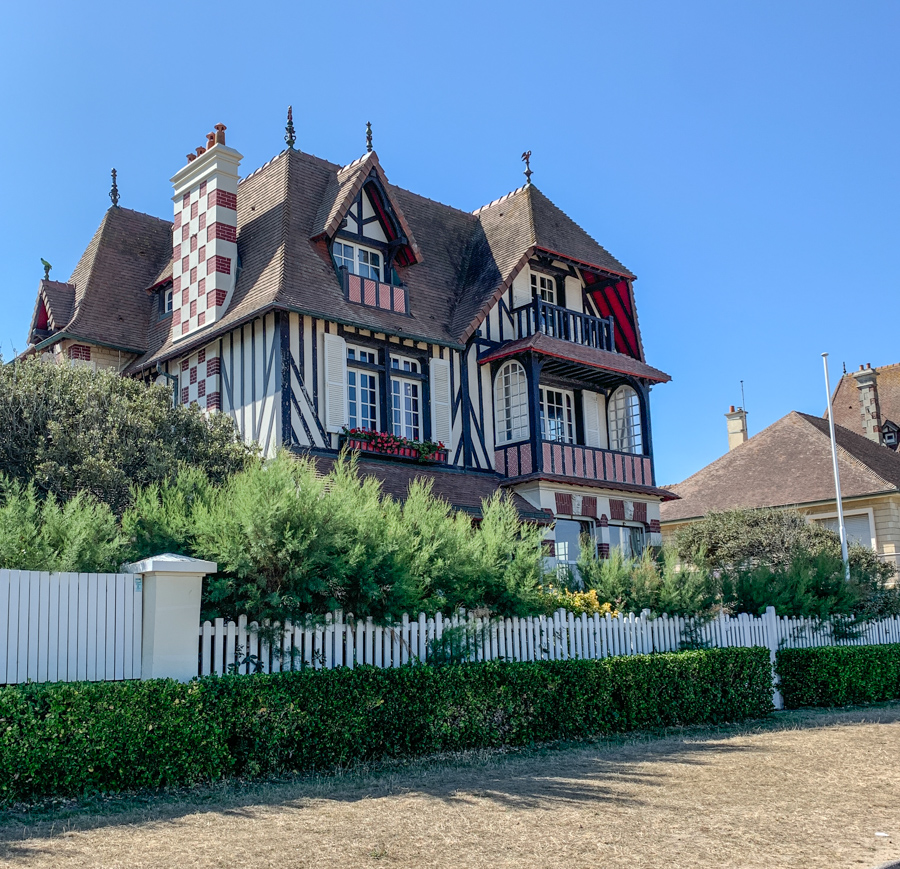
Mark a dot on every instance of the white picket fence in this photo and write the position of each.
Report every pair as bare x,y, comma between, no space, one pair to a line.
229,647
68,627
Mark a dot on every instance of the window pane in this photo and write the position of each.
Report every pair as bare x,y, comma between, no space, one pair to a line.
406,411
557,419
625,421
511,404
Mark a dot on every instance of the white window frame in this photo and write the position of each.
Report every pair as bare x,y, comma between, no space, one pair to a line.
511,410
341,259
355,258
361,354
168,300
568,408
633,433
544,286
814,517
408,390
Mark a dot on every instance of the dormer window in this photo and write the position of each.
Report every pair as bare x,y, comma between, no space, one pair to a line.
166,302
357,260
543,287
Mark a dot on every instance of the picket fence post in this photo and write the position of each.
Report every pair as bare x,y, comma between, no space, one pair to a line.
171,589
771,627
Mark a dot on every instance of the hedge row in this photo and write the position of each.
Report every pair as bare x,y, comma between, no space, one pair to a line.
70,739
839,675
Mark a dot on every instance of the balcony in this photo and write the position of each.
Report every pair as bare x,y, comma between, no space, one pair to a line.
374,294
559,322
576,461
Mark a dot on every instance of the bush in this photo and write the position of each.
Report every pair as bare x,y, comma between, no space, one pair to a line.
71,429
839,675
71,739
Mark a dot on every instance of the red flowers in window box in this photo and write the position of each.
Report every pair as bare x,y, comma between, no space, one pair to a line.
386,444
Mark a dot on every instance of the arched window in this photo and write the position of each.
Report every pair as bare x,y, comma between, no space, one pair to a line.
511,404
625,421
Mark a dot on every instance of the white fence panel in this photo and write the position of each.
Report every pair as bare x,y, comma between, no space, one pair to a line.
67,627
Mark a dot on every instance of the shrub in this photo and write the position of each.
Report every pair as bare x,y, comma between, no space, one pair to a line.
839,675
68,739
71,429
79,535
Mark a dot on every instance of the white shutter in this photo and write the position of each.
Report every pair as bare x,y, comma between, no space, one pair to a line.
335,382
591,419
441,408
522,289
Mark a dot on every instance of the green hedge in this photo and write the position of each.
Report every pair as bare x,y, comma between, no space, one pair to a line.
839,675
71,739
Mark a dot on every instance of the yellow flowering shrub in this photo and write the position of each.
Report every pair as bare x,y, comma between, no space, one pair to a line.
576,602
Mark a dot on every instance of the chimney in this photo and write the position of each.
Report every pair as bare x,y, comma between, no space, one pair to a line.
868,402
205,235
737,427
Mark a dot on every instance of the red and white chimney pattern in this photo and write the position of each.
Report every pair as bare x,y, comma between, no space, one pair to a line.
205,238
200,378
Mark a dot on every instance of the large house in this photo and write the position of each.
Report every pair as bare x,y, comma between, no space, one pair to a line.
308,299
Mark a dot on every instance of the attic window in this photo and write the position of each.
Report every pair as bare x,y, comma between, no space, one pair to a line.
357,260
544,287
166,301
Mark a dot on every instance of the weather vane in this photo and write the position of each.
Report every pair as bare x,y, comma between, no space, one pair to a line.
289,136
368,136
114,190
526,159
47,268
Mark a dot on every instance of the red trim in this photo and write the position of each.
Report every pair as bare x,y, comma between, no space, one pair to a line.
584,262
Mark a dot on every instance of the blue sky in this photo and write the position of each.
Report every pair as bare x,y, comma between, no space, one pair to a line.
741,158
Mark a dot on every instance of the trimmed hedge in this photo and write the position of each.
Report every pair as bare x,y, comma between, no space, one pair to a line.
75,738
839,675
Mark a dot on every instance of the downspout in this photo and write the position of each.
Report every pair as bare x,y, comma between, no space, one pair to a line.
173,379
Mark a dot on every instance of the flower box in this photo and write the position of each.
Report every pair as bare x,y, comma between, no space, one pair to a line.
383,447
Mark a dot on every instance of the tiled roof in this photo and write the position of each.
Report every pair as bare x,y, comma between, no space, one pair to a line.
286,210
60,301
464,490
789,463
602,359
847,409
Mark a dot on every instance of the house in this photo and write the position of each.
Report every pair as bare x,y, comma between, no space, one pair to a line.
789,465
314,302
867,401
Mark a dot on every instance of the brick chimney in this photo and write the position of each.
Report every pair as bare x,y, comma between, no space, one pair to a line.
737,427
205,235
868,402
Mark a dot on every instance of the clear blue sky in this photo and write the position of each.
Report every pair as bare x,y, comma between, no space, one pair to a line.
741,158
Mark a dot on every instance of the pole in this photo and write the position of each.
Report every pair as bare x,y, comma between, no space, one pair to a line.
837,477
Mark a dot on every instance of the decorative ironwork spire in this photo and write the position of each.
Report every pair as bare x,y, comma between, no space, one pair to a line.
114,190
47,268
526,159
368,136
289,136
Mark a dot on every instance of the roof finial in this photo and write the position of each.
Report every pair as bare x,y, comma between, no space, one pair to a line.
47,268
526,159
114,190
289,136
368,136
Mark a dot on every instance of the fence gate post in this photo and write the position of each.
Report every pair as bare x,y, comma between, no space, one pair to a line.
771,623
170,634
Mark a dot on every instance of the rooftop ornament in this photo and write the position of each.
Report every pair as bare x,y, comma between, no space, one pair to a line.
368,136
47,268
114,190
526,159
289,136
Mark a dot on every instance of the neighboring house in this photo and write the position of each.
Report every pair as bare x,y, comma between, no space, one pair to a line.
309,298
867,401
789,465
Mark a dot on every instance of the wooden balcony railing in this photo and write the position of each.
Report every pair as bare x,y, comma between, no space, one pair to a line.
559,322
375,294
576,461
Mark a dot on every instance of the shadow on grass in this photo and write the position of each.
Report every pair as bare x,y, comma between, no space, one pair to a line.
542,777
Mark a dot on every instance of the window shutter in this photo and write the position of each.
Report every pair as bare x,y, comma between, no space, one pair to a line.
441,401
335,382
591,419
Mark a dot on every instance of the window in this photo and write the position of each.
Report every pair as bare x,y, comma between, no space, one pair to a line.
544,287
856,525
625,421
406,409
362,390
569,535
165,302
629,538
369,264
511,404
343,256
557,418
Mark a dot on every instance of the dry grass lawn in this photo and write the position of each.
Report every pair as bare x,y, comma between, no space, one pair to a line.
808,789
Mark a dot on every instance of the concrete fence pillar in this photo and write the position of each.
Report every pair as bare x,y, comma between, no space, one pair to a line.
772,638
171,588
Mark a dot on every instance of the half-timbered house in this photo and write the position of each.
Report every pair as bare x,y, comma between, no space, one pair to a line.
318,304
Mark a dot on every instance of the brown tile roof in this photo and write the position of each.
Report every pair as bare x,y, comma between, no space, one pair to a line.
59,300
662,492
789,463
845,401
602,359
464,490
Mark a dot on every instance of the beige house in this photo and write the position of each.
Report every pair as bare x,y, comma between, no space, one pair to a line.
789,465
